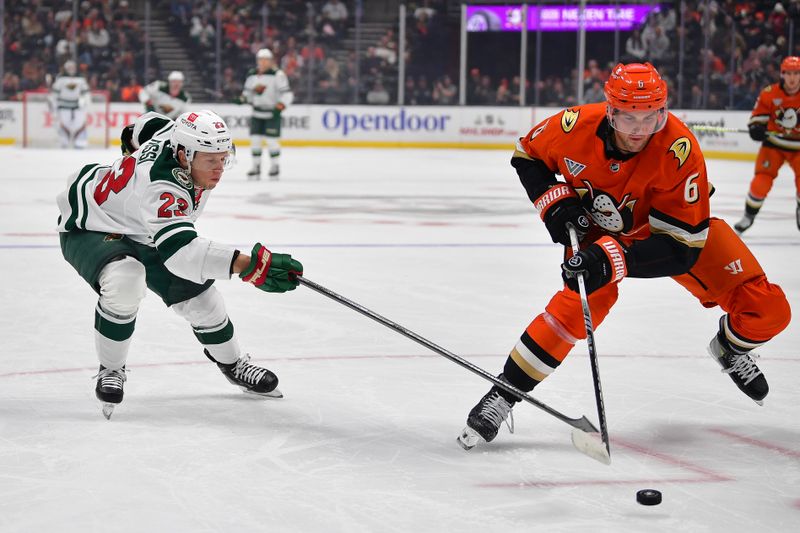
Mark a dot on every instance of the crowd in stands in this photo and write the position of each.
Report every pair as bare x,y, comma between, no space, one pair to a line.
105,38
732,48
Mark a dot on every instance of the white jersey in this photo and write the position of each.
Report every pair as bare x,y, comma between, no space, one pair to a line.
266,90
150,199
69,92
157,93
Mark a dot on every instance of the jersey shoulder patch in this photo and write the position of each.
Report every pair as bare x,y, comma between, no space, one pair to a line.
681,149
569,119
166,168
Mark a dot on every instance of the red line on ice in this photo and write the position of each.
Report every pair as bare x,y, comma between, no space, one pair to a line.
758,443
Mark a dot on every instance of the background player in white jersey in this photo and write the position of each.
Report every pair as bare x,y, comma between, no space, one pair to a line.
130,226
69,100
167,98
267,90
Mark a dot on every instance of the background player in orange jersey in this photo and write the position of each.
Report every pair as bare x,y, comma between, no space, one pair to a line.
634,187
774,122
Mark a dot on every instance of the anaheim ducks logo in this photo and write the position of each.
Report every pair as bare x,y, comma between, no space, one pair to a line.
606,211
786,118
182,177
681,148
569,119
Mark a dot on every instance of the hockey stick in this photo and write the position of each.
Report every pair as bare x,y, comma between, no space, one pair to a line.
583,441
719,129
581,425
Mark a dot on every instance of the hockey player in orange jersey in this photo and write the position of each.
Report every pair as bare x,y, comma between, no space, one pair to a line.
635,189
774,122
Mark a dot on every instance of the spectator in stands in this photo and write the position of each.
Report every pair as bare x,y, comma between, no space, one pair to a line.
130,91
657,46
424,94
333,19
594,93
635,48
502,95
202,32
11,86
231,86
444,91
378,94
473,84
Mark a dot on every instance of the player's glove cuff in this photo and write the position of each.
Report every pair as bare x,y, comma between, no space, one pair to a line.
601,263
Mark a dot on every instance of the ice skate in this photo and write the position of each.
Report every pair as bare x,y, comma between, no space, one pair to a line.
250,378
254,174
109,388
274,173
742,369
485,419
745,223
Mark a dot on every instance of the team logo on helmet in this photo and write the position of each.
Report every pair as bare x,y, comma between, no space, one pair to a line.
569,119
681,149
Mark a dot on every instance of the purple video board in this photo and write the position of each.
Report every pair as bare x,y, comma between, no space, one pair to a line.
598,17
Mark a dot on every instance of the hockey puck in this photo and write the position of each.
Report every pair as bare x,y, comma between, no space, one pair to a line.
648,497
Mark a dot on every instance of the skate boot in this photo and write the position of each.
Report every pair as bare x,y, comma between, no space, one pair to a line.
274,173
485,419
109,388
741,367
745,223
797,215
249,377
254,173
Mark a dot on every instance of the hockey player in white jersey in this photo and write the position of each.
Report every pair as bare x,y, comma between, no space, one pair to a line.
130,226
69,100
267,90
167,98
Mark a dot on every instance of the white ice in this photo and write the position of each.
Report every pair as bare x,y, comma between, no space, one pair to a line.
446,244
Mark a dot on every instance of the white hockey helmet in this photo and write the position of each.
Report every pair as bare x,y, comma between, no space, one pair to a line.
264,53
175,75
201,131
70,68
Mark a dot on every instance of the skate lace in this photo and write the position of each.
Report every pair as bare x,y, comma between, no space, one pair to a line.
246,372
498,410
111,378
745,367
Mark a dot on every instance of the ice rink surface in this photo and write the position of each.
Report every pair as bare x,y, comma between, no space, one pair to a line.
447,244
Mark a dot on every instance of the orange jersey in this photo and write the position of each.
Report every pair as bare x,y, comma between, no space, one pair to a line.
661,190
778,111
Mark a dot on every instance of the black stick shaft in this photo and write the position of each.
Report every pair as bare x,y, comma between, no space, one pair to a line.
587,321
579,423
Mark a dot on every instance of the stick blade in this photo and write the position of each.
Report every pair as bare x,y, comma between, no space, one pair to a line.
591,444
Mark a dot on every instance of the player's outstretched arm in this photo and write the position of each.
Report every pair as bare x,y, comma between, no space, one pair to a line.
268,271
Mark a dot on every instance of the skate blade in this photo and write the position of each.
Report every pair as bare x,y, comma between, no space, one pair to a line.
276,393
108,409
469,438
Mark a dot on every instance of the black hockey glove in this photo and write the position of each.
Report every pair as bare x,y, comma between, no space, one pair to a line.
758,132
126,140
558,206
602,262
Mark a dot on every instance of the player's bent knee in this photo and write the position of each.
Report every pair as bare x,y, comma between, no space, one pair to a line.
204,310
122,286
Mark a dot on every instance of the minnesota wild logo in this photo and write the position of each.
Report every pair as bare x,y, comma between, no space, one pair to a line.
182,177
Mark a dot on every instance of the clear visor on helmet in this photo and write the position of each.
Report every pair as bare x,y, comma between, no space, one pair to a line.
645,122
214,160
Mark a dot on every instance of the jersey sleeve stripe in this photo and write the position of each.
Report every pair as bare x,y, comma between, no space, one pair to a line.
175,242
758,119
162,233
76,197
693,236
